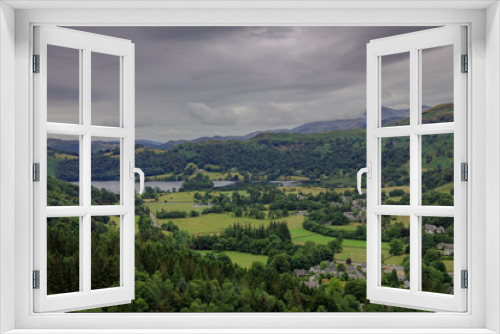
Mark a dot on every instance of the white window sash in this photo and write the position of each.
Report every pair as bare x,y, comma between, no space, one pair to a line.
413,43
86,43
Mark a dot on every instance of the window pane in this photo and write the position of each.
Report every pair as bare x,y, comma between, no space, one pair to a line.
105,89
105,251
437,254
105,171
396,171
63,170
395,94
63,255
395,251
437,170
63,85
437,85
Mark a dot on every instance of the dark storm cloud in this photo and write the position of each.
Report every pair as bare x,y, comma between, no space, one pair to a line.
204,81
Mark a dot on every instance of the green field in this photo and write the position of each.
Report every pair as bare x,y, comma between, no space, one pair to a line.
316,238
298,233
353,249
293,178
244,260
350,227
178,197
395,259
401,219
189,196
444,189
174,206
449,264
209,223
387,190
230,192
215,223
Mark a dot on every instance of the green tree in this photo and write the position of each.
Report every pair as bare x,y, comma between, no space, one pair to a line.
280,263
396,246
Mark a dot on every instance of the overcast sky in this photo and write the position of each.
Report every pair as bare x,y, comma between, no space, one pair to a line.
206,81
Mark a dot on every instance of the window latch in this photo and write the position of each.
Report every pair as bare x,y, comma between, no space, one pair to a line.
134,170
368,171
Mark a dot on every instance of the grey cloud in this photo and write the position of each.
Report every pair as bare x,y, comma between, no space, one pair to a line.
212,116
205,81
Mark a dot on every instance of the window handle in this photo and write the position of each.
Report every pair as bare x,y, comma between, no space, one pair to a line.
368,171
133,171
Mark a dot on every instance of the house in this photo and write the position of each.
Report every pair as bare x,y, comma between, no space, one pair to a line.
300,272
442,245
328,271
315,269
448,251
312,284
433,229
387,269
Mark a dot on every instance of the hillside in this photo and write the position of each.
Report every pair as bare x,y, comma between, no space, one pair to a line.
333,156
388,115
438,114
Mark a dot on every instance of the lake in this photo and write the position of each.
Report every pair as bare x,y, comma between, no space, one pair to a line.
114,186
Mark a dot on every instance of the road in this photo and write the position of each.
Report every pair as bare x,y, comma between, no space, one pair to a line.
153,219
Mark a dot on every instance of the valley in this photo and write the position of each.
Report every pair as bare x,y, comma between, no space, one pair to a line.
287,232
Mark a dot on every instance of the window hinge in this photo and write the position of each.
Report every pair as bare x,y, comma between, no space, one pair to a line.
36,172
36,63
465,279
36,279
464,171
465,64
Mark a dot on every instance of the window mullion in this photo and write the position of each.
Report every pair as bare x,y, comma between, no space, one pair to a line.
86,165
414,169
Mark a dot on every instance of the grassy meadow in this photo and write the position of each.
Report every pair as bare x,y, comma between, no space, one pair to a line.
215,223
244,260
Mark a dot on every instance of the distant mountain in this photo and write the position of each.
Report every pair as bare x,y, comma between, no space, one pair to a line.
388,115
325,126
173,143
64,145
147,142
74,145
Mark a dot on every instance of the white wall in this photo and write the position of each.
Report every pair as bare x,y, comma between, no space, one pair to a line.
492,171
7,161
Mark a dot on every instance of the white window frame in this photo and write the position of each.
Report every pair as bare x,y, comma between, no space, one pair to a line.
85,44
483,20
413,44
